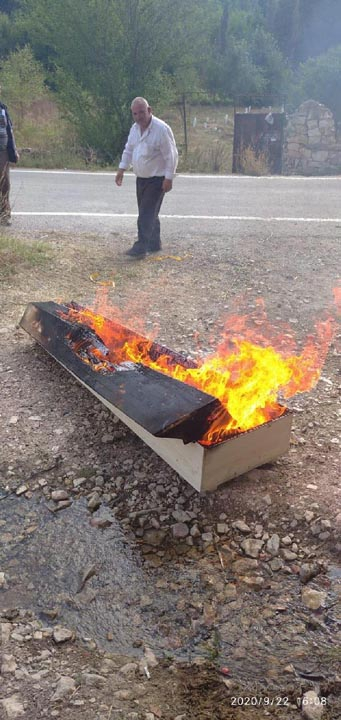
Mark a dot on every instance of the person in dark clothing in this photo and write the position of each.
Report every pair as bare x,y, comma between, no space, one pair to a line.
8,153
152,152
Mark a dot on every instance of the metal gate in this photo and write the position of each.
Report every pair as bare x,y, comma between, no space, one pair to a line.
262,133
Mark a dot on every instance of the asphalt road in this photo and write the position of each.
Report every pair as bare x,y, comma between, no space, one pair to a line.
87,202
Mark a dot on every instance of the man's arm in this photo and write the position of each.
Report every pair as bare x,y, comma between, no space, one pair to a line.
119,177
170,156
126,158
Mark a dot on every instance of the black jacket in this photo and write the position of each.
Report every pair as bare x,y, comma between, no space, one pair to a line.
11,147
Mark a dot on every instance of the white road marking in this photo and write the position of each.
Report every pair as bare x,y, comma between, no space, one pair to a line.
242,218
188,176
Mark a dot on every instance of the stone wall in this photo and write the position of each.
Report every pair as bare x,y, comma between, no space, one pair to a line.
311,145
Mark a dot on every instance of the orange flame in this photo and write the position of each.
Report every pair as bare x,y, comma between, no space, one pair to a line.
246,373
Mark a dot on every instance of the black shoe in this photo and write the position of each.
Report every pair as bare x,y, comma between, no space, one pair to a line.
136,251
154,248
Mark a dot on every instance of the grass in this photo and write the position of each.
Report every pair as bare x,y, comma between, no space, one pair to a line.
209,138
46,140
17,255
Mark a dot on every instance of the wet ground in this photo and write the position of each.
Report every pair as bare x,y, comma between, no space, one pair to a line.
94,581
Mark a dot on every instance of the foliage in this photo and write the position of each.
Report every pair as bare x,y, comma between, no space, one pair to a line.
23,82
102,53
320,79
97,55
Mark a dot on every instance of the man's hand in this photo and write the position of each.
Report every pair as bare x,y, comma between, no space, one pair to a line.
119,177
167,185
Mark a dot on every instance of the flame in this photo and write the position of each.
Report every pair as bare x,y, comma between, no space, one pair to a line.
253,364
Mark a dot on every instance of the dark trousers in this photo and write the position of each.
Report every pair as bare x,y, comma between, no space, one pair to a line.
149,198
5,210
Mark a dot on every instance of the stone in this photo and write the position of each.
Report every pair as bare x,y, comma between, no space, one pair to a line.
241,526
13,707
254,582
244,565
313,599
222,528
272,544
58,495
312,709
8,665
62,634
129,670
308,571
65,686
92,680
94,502
289,555
276,564
21,489
180,530
252,547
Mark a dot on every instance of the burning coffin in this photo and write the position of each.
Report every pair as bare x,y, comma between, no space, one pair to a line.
141,382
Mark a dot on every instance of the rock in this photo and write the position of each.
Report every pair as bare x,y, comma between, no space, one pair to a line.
252,547
241,526
94,502
222,529
101,522
65,686
13,707
77,482
312,709
313,599
21,489
62,504
289,554
8,665
276,564
272,544
129,670
156,537
309,515
62,634
308,571
244,565
254,582
181,516
180,530
57,495
92,680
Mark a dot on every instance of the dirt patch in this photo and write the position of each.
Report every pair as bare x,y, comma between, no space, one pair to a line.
55,434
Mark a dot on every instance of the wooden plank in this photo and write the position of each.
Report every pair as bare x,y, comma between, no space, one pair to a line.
160,404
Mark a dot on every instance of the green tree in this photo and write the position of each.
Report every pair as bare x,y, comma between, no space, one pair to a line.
22,79
102,53
320,79
246,63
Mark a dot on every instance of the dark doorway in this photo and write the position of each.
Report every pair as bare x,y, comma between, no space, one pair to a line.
259,134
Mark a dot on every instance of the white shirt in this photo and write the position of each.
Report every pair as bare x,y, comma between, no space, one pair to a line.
151,153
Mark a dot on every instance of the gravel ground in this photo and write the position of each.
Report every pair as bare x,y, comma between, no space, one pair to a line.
246,617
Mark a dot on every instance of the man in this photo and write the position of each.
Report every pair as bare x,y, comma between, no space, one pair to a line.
8,153
152,151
